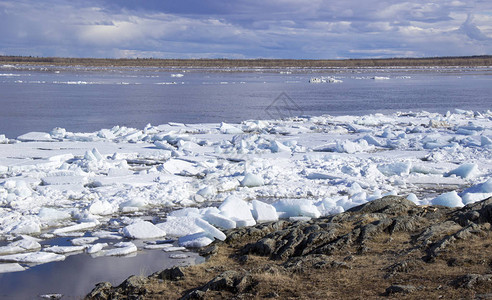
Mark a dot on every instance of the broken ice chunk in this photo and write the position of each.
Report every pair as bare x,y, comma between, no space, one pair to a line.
237,210
196,240
464,171
143,230
263,212
252,180
450,199
211,230
12,267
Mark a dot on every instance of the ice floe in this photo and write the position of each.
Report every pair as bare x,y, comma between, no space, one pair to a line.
192,181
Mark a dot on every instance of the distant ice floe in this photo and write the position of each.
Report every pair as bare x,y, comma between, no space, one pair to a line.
324,80
118,190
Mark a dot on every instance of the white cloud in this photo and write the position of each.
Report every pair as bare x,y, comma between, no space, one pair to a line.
278,28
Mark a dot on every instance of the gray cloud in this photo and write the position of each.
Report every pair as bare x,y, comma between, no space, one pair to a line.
472,31
277,28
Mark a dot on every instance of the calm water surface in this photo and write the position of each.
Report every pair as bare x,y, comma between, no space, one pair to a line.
77,275
88,99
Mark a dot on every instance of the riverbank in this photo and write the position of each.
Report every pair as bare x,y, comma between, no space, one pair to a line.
485,60
385,248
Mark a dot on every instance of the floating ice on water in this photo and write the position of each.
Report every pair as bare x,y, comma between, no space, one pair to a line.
451,199
12,267
64,249
412,197
297,208
196,240
133,205
350,147
101,207
477,192
76,227
211,230
96,248
277,147
123,248
107,235
185,212
173,249
26,242
26,227
485,141
397,168
47,185
36,136
179,226
263,212
206,191
252,180
143,230
157,246
33,257
53,214
219,220
229,129
84,240
179,256
465,171
484,187
237,210
474,197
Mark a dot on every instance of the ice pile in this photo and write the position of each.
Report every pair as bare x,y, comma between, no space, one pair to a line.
110,189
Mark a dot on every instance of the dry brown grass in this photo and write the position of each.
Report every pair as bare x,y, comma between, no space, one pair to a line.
367,278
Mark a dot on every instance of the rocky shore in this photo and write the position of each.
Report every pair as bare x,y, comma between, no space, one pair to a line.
385,248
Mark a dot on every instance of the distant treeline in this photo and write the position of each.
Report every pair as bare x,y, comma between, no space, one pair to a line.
485,60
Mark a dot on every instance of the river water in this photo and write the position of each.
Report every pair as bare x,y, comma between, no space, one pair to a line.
88,99
83,99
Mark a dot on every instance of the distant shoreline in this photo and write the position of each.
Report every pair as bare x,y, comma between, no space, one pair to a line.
485,60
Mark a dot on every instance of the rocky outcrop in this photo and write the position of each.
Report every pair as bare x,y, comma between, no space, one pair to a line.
394,232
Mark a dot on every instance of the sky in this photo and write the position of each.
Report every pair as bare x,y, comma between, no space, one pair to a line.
297,29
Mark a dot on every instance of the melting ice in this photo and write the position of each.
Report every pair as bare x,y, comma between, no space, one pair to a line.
189,182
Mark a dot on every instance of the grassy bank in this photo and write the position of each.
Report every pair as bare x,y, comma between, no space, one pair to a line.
386,249
253,63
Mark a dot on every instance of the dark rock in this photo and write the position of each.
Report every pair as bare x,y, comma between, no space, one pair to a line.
256,232
209,251
272,295
101,291
374,228
231,281
469,281
391,205
173,274
194,295
263,247
455,262
407,224
479,212
316,261
397,289
243,259
403,267
132,288
436,232
462,234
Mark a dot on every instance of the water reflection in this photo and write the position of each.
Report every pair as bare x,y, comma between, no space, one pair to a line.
78,274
